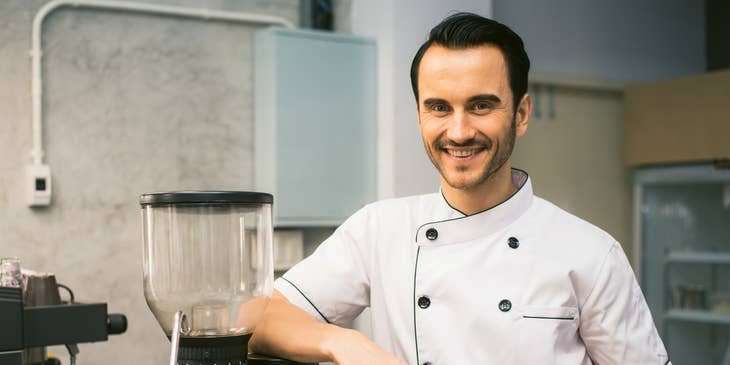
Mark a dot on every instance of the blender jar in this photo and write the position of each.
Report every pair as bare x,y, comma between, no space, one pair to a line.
208,254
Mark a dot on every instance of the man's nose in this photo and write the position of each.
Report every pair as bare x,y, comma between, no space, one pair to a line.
460,128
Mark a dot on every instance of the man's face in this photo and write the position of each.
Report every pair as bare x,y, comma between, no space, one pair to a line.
466,114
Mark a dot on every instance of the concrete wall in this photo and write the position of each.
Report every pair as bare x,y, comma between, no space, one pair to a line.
133,103
621,39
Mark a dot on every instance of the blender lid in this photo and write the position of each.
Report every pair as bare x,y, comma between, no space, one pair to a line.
209,196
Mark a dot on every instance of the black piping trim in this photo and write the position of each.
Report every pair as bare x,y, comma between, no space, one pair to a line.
305,297
449,204
415,330
561,318
466,216
666,362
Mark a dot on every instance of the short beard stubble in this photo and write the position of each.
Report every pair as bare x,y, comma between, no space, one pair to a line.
495,164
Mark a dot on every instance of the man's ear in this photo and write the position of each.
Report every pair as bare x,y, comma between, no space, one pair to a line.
522,115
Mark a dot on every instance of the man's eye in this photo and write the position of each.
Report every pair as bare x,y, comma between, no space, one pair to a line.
440,108
481,106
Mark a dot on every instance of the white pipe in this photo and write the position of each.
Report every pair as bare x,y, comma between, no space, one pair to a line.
36,53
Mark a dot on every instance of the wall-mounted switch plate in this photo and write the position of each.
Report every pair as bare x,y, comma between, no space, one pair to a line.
38,185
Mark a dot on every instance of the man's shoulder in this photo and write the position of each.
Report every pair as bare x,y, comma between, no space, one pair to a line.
403,213
565,227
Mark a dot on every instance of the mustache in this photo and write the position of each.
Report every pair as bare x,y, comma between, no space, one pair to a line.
475,143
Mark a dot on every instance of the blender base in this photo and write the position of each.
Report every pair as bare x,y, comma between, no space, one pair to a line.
223,351
213,350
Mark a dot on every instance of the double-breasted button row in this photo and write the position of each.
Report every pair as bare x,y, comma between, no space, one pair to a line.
433,234
504,305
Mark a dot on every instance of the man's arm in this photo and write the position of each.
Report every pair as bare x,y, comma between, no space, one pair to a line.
289,332
616,324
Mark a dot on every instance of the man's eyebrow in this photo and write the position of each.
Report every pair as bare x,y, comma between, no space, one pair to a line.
434,101
485,97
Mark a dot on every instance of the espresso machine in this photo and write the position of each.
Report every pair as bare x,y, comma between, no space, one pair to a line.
32,317
208,272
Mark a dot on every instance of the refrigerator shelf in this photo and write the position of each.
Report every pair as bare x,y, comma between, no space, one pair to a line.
703,316
699,257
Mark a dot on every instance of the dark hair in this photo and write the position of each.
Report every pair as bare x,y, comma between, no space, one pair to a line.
467,30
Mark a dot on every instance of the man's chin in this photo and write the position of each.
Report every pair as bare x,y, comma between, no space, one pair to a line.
462,182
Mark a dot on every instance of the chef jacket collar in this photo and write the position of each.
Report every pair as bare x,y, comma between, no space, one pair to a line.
455,227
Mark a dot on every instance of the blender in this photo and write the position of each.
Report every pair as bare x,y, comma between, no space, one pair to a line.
208,271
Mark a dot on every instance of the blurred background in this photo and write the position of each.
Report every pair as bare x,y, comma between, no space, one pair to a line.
630,131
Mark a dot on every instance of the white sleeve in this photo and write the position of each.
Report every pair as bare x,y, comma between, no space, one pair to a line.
616,324
333,283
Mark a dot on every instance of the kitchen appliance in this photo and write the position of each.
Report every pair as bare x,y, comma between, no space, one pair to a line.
208,271
28,326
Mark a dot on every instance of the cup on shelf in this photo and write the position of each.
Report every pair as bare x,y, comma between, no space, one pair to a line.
690,297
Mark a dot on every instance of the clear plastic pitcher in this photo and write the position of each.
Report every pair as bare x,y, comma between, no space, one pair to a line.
209,255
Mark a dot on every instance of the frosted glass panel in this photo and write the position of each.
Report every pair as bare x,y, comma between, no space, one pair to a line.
685,233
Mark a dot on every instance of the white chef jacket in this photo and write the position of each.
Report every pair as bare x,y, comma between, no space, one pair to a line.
523,282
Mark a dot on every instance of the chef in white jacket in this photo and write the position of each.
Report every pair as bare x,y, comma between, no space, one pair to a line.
481,272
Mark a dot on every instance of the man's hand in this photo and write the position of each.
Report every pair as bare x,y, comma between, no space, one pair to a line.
350,347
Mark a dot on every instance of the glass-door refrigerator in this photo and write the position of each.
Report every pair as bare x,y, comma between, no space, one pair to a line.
682,255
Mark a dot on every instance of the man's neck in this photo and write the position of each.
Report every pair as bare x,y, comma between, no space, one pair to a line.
496,189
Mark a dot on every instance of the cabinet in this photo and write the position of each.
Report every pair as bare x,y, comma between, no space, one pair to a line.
682,229
315,124
683,120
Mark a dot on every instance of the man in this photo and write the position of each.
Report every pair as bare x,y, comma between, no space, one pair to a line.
482,272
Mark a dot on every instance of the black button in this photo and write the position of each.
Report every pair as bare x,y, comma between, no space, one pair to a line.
513,242
432,234
424,302
426,363
505,305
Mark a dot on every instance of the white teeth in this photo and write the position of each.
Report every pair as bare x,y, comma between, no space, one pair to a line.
463,153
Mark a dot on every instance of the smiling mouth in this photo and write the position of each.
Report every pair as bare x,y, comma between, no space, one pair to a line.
463,153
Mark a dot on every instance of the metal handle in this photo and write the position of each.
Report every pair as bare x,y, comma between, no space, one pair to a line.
175,339
73,350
